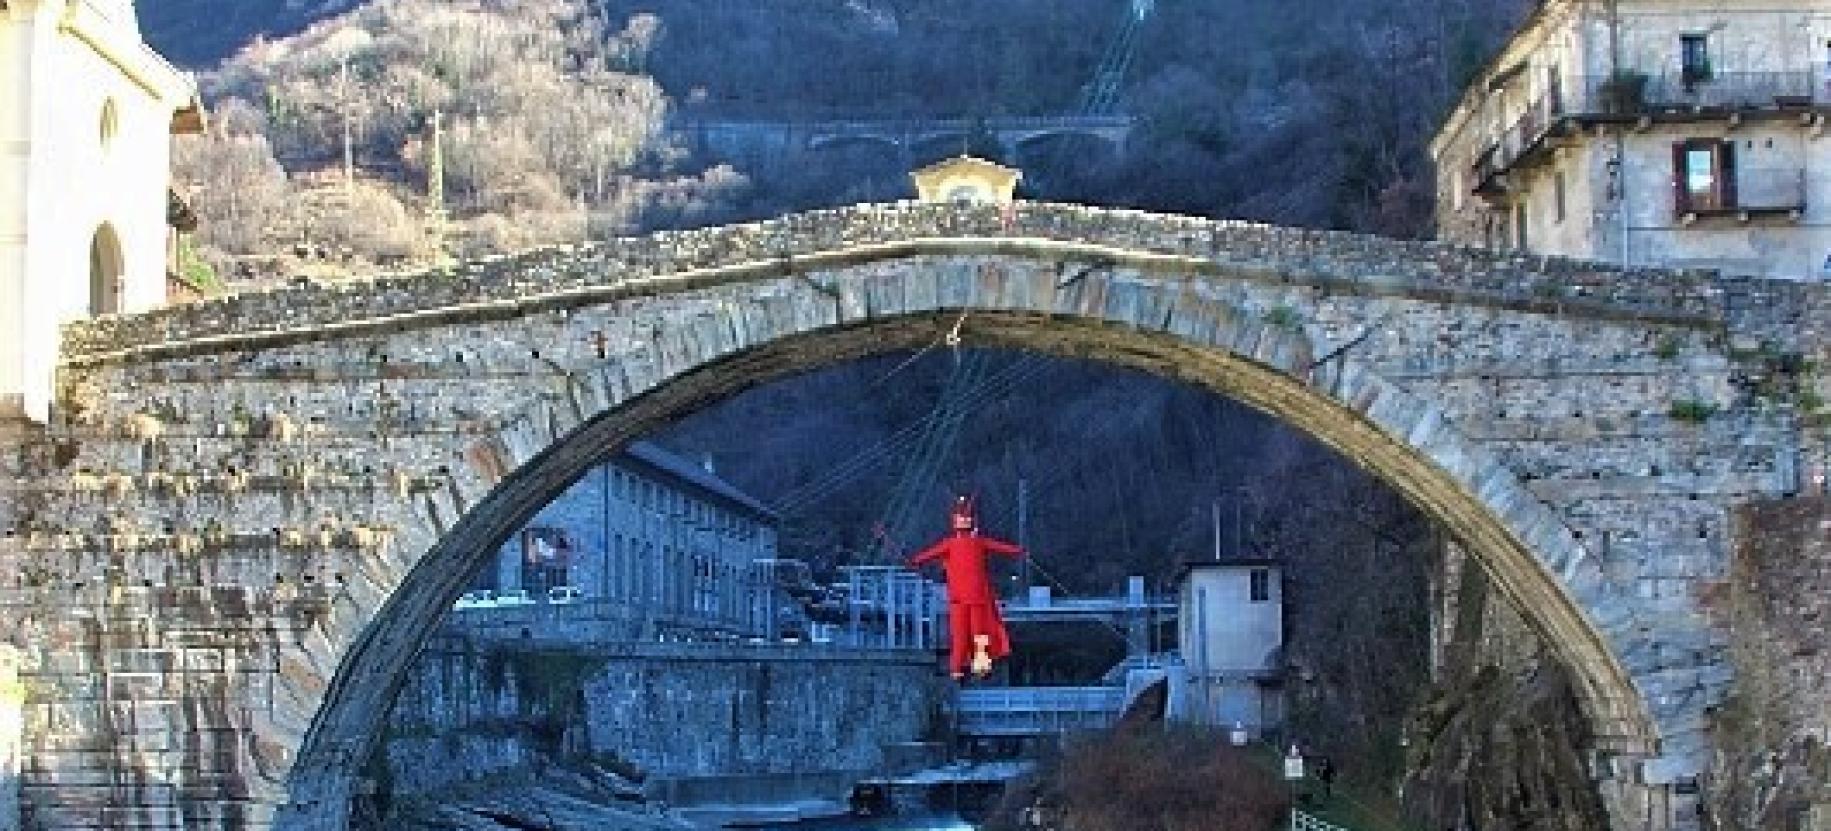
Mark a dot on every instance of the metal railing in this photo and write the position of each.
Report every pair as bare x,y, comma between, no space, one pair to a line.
599,618
903,125
1024,711
1634,94
1757,190
1301,821
1757,90
1523,135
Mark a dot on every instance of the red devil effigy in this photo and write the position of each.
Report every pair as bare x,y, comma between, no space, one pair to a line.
972,606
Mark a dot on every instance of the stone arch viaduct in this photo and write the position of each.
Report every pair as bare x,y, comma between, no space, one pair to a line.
906,140
248,513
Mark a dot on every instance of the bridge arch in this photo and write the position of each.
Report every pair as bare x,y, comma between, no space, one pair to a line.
290,480
1030,142
1002,296
882,143
1056,161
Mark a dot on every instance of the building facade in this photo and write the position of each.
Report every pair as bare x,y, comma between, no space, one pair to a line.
86,115
1669,133
1231,638
650,545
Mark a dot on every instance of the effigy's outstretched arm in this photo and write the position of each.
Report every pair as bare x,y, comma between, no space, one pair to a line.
998,546
928,554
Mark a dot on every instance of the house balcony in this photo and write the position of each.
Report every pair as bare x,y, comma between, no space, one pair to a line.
1708,93
1778,193
1635,98
1528,140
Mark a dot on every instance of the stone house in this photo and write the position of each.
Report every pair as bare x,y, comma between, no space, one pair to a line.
86,114
648,539
1672,133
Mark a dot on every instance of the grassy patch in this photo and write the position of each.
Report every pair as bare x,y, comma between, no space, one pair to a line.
1692,411
1283,317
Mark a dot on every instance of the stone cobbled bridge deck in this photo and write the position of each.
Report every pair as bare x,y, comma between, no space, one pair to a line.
249,513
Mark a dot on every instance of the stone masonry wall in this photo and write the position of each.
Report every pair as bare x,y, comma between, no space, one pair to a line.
670,711
248,514
12,737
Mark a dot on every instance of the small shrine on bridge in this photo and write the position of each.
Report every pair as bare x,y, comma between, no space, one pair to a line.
966,178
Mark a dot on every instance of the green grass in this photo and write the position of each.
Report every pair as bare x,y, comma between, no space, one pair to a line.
196,271
1693,411
1346,806
1284,317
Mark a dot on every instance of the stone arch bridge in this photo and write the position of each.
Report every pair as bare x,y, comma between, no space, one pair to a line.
248,513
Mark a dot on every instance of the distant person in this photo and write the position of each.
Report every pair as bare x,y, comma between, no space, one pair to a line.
1325,773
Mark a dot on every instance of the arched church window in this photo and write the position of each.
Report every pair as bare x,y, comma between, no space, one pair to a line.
105,271
111,123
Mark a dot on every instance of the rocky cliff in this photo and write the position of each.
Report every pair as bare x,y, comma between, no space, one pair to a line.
1772,771
1500,741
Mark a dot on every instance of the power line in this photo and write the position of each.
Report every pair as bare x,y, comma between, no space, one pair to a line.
1101,96
924,468
1018,372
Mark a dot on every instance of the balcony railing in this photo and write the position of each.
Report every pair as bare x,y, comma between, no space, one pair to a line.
1714,91
1757,192
1525,136
1631,95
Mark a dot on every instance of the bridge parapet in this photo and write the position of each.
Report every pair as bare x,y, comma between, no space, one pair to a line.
577,275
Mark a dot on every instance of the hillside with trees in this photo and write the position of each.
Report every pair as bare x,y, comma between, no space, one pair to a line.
321,145
557,113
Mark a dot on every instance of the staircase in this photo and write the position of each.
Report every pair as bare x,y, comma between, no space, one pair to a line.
1301,821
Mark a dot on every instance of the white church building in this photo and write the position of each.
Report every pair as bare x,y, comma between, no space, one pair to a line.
87,111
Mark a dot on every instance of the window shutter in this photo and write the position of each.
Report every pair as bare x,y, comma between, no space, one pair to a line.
1681,190
1726,173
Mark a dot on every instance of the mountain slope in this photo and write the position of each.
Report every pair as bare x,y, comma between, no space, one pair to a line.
198,34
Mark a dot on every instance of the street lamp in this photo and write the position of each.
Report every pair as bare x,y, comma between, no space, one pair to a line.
1293,774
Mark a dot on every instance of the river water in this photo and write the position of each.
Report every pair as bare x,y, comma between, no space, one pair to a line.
930,823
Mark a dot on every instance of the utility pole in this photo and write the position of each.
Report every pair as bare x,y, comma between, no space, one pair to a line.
1239,525
604,593
1023,533
1215,511
349,143
435,189
1625,224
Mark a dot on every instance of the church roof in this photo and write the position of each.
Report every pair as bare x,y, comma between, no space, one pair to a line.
939,182
967,164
